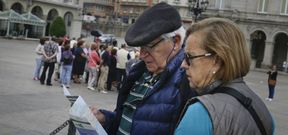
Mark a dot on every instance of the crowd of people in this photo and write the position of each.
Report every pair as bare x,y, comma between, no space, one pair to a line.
180,82
101,66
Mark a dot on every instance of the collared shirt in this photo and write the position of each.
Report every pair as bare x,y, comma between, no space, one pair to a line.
136,96
50,48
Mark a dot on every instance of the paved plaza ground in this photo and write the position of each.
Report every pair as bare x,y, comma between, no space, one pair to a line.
28,108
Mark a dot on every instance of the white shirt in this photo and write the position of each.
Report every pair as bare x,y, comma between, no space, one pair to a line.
122,58
39,51
59,53
72,42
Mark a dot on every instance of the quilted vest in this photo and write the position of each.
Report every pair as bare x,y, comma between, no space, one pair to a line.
230,117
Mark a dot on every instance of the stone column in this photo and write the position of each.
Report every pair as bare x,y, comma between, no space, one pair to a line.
76,28
253,61
8,28
268,54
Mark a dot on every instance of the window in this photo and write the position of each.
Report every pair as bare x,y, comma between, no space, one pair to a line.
219,4
284,9
263,6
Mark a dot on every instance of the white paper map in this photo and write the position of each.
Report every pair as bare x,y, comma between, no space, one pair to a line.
82,117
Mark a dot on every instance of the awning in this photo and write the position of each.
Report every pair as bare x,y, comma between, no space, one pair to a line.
33,19
27,18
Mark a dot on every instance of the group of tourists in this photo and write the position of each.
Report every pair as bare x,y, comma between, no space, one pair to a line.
97,65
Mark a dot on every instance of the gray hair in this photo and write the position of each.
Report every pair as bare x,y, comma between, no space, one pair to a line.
181,31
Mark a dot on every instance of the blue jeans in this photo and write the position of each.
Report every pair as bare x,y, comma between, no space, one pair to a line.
66,74
39,64
271,91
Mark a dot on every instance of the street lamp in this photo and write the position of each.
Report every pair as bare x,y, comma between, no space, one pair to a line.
197,7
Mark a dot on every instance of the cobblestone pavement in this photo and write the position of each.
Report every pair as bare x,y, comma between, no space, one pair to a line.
28,108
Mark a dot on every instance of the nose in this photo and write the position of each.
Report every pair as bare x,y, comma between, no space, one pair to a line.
184,65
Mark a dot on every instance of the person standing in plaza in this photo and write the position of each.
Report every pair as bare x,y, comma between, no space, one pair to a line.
60,42
112,68
79,62
154,92
104,68
49,58
122,58
87,50
73,43
39,52
66,65
93,66
272,79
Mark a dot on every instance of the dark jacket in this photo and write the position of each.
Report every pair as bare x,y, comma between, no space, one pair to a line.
272,75
158,113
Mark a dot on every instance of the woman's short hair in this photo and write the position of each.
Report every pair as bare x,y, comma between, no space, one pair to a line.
94,46
80,43
42,40
66,46
223,38
114,51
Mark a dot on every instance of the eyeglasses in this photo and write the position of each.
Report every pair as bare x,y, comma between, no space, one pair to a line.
150,46
189,57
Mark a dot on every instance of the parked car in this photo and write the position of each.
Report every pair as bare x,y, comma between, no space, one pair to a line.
96,33
107,38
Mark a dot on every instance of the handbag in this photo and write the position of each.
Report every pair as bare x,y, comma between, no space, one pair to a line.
271,82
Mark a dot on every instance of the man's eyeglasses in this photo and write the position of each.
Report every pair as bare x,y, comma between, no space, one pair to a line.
150,46
189,57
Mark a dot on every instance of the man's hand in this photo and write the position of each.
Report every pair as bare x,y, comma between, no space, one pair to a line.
99,115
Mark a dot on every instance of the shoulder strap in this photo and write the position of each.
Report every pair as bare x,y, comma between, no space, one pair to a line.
245,101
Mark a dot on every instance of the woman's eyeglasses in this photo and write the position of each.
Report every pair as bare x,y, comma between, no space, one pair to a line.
189,57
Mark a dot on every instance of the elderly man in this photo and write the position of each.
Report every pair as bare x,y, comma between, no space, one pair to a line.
153,94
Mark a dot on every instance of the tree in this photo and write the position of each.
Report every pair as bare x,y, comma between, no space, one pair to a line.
58,27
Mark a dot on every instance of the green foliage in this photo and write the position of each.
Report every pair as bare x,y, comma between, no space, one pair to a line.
57,27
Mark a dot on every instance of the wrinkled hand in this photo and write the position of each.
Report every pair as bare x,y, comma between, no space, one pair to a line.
99,115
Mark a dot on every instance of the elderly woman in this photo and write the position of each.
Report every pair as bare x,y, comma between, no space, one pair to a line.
216,59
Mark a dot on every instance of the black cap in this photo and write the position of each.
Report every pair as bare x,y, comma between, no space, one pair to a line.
155,21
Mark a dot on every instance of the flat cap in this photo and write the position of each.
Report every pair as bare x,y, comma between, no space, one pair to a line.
152,23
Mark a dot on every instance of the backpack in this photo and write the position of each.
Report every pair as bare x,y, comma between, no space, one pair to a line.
67,58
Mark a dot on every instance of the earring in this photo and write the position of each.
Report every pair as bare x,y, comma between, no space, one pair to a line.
213,72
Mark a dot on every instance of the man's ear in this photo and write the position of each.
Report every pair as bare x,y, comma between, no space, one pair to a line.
176,41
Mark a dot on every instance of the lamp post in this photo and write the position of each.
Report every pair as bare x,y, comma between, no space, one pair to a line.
197,7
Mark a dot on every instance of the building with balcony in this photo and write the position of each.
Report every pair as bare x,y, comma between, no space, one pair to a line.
264,23
99,8
70,10
129,10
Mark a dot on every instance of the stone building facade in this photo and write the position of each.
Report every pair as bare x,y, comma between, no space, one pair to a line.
48,10
99,8
264,23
